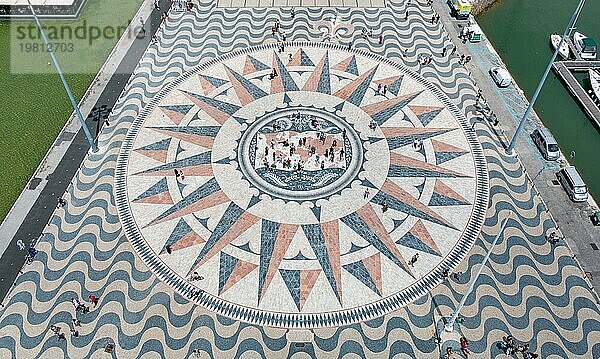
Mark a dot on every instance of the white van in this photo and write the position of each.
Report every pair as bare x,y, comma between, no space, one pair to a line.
573,184
500,76
546,143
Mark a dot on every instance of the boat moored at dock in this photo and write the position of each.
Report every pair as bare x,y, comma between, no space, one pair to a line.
586,46
564,47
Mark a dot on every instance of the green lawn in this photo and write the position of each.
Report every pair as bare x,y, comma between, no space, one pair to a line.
35,106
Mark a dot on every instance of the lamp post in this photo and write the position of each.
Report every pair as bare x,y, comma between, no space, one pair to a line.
513,142
450,325
66,86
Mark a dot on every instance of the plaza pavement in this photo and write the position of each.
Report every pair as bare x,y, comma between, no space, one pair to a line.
529,289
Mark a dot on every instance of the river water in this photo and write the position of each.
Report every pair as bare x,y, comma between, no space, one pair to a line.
520,32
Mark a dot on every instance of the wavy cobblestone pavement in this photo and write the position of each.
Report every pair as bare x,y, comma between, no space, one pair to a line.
530,289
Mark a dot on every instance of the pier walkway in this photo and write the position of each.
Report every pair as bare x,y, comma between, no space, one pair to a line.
582,65
562,69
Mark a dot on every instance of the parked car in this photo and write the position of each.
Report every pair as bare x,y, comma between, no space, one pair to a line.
500,76
573,184
546,143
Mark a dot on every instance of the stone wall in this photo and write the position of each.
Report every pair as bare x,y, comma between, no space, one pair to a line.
479,6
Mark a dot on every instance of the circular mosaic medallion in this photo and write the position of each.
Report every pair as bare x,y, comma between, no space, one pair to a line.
319,189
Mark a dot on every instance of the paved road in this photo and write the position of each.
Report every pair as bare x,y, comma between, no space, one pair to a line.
509,105
34,222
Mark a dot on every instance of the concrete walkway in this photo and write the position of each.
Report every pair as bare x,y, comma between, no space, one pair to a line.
508,106
31,212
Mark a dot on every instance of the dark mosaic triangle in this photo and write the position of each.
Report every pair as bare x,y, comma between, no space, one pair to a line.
267,244
384,115
214,81
181,230
427,117
161,145
208,188
360,272
259,66
394,87
314,234
359,93
352,66
441,200
226,107
324,85
291,278
230,217
441,157
286,78
304,59
255,91
409,240
199,159
158,187
226,265
362,229
182,109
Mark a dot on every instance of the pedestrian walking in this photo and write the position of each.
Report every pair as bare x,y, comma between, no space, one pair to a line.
444,51
406,15
464,347
529,355
446,273
413,260
76,303
378,89
94,300
350,45
453,50
142,25
293,13
380,39
366,194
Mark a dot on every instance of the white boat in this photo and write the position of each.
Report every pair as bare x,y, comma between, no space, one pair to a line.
595,81
585,46
564,49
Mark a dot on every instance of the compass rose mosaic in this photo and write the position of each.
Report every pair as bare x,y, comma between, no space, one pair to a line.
315,190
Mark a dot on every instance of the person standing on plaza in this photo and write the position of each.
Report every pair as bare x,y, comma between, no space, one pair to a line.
94,299
464,347
142,25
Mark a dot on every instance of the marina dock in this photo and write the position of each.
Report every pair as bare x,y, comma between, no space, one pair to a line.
563,70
